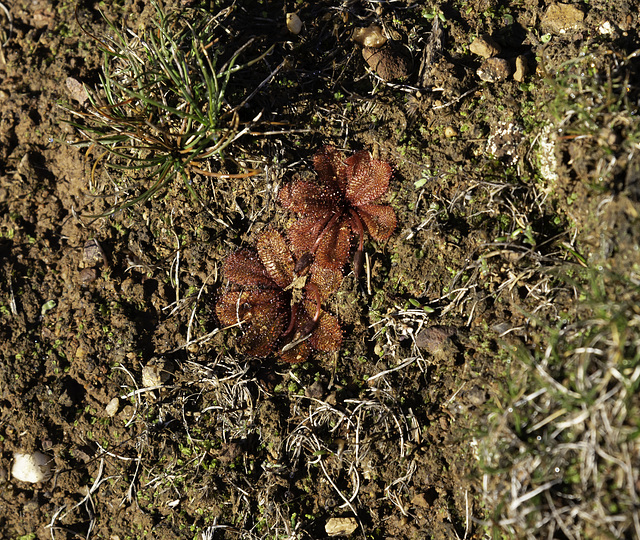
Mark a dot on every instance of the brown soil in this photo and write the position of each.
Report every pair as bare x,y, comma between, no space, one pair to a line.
385,430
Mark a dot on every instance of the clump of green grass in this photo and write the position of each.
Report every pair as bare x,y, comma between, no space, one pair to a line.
593,92
591,102
160,112
561,450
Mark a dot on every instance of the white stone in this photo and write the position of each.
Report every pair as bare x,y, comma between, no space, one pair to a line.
151,376
156,373
294,23
112,407
371,36
605,28
340,526
32,468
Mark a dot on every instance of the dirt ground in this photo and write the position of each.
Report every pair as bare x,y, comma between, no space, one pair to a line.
503,190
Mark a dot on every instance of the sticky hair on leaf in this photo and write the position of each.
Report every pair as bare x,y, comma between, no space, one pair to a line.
338,205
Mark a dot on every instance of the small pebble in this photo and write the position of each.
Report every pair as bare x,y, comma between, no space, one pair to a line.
371,36
433,338
494,70
87,275
112,407
562,18
605,29
151,376
340,526
484,46
450,132
294,23
76,90
32,468
521,68
386,64
93,253
155,373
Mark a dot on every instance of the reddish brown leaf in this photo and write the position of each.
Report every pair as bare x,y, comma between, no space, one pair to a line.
380,220
235,307
331,168
263,315
310,198
327,280
327,337
276,258
297,354
367,178
261,335
303,234
244,268
334,246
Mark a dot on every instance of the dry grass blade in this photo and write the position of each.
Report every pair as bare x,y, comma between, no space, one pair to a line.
571,438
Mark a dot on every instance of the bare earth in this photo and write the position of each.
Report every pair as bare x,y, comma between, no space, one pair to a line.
505,191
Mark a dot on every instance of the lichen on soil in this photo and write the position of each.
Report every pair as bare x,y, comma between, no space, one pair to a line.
510,196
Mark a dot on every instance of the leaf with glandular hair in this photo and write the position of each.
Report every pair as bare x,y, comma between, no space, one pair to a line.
262,315
238,307
296,354
264,331
245,268
334,246
327,280
276,258
331,168
311,198
303,233
327,337
379,219
367,178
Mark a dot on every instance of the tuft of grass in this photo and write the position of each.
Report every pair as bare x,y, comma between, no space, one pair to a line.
160,111
591,114
561,449
592,93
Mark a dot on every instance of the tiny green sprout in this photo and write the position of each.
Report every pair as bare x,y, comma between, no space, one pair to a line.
421,182
47,306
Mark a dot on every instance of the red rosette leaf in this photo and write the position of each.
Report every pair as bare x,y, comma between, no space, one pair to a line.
335,244
262,315
327,336
331,168
310,198
327,280
245,268
367,178
263,332
276,258
303,234
379,219
296,354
